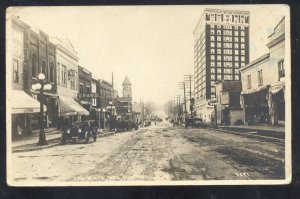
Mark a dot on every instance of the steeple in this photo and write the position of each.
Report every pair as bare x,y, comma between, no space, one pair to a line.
127,92
126,81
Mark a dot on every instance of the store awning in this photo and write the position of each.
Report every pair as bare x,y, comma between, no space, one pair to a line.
68,106
255,90
21,102
276,88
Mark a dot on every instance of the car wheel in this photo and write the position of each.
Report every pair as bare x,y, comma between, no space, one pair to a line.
63,139
87,137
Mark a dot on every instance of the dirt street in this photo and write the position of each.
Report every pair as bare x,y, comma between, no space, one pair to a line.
159,152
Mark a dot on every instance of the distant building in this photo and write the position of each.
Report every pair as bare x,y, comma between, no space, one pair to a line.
221,47
229,109
263,93
124,104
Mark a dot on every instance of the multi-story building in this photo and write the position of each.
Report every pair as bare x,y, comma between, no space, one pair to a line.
67,81
40,57
221,47
229,111
263,92
85,87
20,104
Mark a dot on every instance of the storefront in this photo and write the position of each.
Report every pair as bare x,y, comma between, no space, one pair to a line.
255,105
23,108
277,104
69,109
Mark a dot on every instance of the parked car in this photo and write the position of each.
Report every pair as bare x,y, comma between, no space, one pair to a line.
195,122
147,123
80,131
126,125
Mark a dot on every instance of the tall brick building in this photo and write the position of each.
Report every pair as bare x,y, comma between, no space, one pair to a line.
221,47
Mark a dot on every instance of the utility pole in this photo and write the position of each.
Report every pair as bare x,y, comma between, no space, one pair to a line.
189,79
182,86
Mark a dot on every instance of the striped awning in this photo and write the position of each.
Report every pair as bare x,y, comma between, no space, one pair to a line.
68,106
21,102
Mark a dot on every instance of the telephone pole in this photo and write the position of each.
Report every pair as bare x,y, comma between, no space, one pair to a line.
188,78
182,86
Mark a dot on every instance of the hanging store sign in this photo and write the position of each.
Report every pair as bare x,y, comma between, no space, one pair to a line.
87,95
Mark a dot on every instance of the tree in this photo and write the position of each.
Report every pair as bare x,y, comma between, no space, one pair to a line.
150,107
169,108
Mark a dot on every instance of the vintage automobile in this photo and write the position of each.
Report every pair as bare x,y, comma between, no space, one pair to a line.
195,122
80,131
147,123
126,125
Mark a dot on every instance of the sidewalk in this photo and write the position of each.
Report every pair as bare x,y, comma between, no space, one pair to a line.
277,132
260,128
29,143
51,133
53,137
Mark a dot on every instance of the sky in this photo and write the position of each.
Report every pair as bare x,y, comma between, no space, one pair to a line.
152,45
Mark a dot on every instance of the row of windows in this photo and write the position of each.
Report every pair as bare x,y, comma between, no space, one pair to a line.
227,58
228,27
226,77
226,70
281,74
63,75
227,64
228,32
229,45
228,39
227,18
35,69
227,51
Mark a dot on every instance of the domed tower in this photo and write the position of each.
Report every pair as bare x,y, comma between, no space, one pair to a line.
127,92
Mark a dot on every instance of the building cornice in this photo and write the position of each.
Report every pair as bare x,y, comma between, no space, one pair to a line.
255,62
66,52
276,41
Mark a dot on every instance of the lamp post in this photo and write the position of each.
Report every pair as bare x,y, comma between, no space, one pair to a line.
111,109
99,119
104,118
42,86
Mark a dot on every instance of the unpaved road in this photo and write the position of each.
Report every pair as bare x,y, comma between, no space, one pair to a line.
155,153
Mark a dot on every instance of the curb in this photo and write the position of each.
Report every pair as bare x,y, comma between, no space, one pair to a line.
246,134
23,148
35,148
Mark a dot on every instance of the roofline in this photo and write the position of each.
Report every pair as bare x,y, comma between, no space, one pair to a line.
256,61
281,20
223,10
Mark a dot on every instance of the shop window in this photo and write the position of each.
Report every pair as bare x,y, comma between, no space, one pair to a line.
58,73
260,78
281,72
15,71
64,75
34,65
248,81
51,72
43,69
81,90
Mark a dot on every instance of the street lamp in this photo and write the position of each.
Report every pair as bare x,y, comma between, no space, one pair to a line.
111,109
99,114
42,86
104,110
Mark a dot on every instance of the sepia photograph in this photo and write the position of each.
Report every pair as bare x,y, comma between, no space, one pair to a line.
148,95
